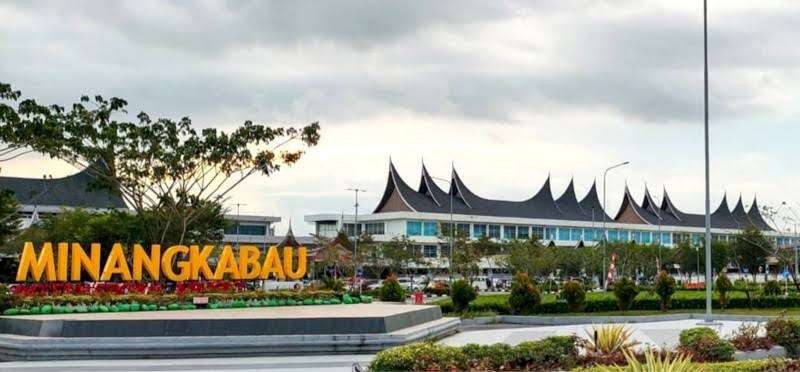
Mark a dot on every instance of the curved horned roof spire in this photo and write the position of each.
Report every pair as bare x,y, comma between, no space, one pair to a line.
668,207
459,190
740,215
429,187
755,217
630,212
591,206
649,204
568,205
722,217
397,195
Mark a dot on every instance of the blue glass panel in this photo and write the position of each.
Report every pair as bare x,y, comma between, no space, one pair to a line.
413,228
563,233
494,231
576,234
550,233
430,228
478,231
523,232
538,231
509,232
666,238
613,235
625,235
588,235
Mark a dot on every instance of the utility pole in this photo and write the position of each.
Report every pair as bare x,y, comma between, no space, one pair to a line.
708,319
355,190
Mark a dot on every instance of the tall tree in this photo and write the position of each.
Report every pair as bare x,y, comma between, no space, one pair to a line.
158,165
751,249
9,216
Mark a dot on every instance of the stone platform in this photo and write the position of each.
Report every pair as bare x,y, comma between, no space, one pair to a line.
296,330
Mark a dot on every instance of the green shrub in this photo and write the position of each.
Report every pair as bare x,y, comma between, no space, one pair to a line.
704,345
625,291
332,284
723,285
524,294
772,288
462,294
785,332
575,295
552,353
664,288
392,291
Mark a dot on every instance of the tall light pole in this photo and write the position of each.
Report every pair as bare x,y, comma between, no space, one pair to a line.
452,231
708,187
355,190
236,243
605,232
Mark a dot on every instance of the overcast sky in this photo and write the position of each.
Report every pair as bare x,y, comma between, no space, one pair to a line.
507,91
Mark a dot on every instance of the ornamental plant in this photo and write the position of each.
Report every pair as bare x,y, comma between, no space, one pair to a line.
575,295
609,339
625,291
772,288
705,345
723,285
785,331
664,287
524,294
462,294
392,291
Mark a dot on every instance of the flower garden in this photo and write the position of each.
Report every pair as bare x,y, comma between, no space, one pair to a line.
63,298
607,348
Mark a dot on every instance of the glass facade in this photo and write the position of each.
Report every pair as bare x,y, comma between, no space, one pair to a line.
563,233
413,228
576,234
538,231
429,251
494,231
430,228
374,228
254,230
478,231
509,232
550,233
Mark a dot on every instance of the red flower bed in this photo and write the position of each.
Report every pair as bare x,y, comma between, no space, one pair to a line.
67,288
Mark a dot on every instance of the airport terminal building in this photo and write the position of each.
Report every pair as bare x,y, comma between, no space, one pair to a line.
566,220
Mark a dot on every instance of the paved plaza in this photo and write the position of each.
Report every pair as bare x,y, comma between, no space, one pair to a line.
655,334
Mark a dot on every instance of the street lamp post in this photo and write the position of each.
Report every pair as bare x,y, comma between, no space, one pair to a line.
708,319
605,232
355,190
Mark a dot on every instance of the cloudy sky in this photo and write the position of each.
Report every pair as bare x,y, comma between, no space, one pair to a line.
507,91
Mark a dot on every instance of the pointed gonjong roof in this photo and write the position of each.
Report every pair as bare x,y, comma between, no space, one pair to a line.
71,191
568,204
430,198
590,204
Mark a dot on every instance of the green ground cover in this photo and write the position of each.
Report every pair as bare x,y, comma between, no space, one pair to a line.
646,303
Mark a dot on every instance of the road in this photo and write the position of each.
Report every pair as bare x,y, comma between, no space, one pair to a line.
320,363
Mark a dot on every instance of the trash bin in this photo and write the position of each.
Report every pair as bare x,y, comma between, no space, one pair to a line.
419,298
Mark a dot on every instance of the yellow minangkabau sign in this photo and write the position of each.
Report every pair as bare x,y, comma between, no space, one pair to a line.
69,261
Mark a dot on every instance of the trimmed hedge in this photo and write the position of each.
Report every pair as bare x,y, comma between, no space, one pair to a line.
552,353
605,302
137,302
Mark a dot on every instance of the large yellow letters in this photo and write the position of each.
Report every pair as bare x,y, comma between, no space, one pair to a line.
177,263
